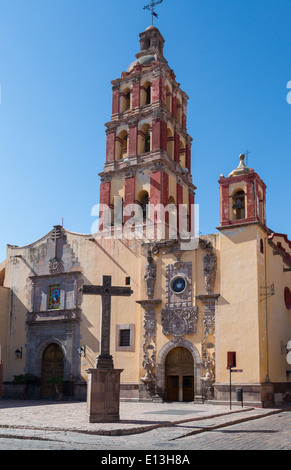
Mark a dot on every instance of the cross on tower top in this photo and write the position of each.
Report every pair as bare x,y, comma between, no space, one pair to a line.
247,156
151,7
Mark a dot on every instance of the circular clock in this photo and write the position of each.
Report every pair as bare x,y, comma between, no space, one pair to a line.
178,284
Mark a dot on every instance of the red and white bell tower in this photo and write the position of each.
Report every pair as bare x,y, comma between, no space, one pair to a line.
242,197
148,151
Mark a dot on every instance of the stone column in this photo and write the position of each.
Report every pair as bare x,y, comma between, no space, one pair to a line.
208,345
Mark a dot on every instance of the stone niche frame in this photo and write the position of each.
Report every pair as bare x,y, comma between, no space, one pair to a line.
131,328
161,368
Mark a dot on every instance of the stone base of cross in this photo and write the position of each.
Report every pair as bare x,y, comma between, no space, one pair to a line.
103,395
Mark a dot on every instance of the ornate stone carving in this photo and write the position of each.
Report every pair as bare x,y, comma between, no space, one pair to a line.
179,322
208,346
149,345
210,265
175,271
208,378
208,366
56,266
150,275
179,318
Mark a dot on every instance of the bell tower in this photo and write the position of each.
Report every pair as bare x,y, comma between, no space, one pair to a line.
148,149
242,197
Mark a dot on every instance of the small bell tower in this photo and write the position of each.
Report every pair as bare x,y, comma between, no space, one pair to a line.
242,197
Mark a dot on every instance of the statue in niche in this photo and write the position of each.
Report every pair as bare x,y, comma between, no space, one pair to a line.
210,264
150,275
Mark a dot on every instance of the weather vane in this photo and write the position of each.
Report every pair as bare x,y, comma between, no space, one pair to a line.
151,7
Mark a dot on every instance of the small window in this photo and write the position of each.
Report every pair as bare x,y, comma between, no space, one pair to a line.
148,95
144,201
127,281
124,338
127,100
54,298
239,205
231,359
2,277
261,246
147,142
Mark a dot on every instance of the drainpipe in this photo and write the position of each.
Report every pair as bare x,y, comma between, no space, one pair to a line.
267,336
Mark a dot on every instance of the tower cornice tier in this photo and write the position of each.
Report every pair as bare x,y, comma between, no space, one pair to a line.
155,69
155,161
157,110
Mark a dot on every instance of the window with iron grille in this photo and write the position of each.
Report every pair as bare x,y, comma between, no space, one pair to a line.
124,338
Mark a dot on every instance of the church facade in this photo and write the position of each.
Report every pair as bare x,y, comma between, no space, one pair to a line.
202,307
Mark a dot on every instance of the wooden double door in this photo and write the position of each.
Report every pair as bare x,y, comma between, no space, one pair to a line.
180,375
52,369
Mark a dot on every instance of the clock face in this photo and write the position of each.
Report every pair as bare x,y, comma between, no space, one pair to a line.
178,285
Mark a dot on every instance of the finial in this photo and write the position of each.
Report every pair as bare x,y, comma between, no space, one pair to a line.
151,8
242,168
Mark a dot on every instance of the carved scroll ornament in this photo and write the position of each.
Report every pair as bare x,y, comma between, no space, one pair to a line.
179,322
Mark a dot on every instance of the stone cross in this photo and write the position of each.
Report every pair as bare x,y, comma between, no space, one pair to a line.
106,291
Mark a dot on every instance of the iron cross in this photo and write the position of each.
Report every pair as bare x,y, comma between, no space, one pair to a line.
247,156
106,291
151,7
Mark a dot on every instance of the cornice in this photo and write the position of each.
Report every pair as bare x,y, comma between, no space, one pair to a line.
159,161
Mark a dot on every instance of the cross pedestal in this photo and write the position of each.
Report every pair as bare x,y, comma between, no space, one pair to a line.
103,388
103,395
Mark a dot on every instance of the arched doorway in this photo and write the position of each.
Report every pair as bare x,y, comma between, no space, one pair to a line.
179,370
52,371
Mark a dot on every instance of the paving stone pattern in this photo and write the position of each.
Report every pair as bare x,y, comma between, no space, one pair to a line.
169,427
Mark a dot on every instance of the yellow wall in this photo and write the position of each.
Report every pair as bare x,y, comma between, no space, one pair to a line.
274,316
237,327
4,315
243,310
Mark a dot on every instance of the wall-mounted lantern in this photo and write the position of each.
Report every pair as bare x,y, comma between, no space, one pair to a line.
18,353
82,351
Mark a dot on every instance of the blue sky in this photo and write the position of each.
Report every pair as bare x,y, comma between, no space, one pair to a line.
57,60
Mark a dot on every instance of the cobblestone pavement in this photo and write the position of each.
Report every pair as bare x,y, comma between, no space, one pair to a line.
166,427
